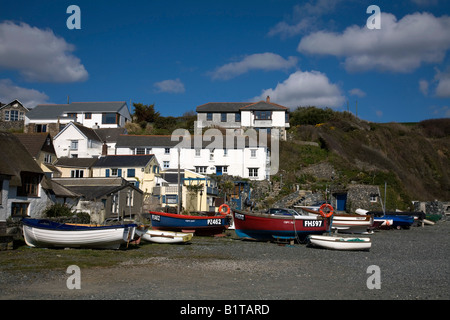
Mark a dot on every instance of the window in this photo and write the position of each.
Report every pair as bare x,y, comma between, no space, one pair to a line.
41,128
76,173
130,198
166,150
253,172
140,150
209,116
200,169
211,155
225,152
115,203
223,117
116,172
74,155
225,169
73,144
166,164
197,152
253,153
110,118
30,185
13,115
88,115
47,158
263,115
373,198
171,199
237,117
131,173
72,115
19,209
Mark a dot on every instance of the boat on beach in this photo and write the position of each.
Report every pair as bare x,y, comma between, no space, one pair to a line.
266,226
199,225
351,223
340,243
161,236
43,233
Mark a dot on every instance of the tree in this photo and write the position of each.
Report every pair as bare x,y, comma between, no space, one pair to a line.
144,114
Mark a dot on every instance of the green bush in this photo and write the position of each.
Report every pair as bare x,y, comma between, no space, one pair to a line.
58,210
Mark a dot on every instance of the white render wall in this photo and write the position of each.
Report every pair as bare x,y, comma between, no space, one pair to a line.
237,160
86,148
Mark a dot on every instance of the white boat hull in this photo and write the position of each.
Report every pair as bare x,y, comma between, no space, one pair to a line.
160,236
110,238
340,243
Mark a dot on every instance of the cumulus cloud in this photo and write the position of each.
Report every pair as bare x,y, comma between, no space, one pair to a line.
357,92
170,86
259,61
399,46
443,84
39,55
304,18
305,88
29,97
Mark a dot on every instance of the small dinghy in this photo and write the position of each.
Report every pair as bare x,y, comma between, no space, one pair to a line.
340,243
160,236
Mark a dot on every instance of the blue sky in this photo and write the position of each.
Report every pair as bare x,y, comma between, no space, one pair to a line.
181,54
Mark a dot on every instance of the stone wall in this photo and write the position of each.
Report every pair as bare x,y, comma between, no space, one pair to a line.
359,196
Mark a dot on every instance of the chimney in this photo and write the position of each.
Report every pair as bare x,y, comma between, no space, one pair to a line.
104,149
268,99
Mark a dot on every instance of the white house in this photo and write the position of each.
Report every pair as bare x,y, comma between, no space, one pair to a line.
53,117
233,115
209,155
78,141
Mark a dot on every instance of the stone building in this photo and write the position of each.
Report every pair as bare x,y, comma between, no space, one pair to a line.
12,116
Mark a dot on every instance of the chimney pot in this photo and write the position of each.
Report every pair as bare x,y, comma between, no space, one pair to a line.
104,149
268,99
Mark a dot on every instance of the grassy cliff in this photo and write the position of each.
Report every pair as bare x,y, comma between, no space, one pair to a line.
412,158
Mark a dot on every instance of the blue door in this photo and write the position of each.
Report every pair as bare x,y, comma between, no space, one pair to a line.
341,200
218,170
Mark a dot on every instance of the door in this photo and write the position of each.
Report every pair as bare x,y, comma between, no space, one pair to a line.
341,201
218,170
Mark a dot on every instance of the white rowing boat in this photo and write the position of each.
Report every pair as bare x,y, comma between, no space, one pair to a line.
341,243
161,236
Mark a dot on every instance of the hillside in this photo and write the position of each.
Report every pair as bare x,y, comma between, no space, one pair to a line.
413,159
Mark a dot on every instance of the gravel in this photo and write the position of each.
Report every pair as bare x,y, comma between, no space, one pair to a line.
413,264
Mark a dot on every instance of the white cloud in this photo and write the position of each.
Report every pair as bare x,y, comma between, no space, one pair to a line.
38,54
259,61
357,92
304,18
29,97
305,88
423,86
170,86
399,46
443,84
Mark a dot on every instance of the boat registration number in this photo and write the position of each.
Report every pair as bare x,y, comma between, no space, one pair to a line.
214,222
312,223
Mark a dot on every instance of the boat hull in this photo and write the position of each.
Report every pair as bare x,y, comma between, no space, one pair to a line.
340,243
267,227
161,236
352,223
397,221
47,234
199,225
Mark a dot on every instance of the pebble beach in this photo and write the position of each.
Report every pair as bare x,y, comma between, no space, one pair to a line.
412,265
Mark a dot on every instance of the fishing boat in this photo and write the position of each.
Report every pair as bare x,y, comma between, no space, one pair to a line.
43,233
351,223
161,236
265,226
340,243
199,225
397,221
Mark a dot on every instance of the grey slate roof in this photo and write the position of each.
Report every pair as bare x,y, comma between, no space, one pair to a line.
239,106
53,111
75,162
124,161
145,141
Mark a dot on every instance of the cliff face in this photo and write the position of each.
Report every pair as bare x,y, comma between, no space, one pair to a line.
414,159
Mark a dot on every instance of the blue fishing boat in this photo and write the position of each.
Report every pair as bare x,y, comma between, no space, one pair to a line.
200,225
398,221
